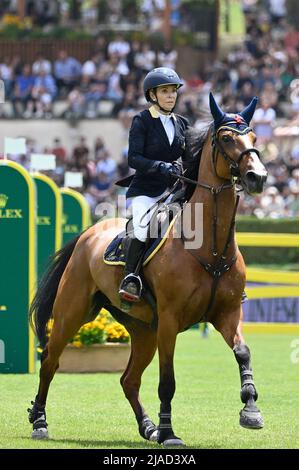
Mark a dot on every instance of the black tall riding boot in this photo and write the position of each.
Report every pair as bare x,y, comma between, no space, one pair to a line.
131,286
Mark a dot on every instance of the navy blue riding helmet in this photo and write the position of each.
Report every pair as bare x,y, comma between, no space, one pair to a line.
160,76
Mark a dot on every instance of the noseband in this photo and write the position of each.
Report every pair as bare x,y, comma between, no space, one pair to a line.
216,144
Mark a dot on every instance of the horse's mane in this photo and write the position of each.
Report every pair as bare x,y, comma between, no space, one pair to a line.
195,139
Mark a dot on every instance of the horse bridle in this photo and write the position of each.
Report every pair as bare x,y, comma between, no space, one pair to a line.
216,144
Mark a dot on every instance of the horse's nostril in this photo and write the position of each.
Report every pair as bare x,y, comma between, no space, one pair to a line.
251,177
255,181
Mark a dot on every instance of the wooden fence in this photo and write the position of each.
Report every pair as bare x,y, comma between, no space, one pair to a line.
49,47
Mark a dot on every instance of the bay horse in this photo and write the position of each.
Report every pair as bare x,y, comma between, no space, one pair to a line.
190,285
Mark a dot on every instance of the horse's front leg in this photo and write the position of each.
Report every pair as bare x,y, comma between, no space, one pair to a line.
250,415
231,330
167,332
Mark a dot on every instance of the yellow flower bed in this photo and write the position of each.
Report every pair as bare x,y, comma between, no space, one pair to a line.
14,20
101,330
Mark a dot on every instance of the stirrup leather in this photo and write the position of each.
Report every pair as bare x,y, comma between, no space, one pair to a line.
131,288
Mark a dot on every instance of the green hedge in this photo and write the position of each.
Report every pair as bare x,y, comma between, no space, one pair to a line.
246,223
268,255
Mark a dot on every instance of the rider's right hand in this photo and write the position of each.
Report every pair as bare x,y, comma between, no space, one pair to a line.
168,169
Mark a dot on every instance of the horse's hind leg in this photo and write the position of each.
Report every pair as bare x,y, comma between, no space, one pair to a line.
143,348
231,330
70,310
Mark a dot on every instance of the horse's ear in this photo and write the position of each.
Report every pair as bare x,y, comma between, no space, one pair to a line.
248,112
217,113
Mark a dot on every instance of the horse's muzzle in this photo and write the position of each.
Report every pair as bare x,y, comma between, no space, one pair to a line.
255,182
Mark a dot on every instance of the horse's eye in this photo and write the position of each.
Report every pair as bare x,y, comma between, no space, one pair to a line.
226,138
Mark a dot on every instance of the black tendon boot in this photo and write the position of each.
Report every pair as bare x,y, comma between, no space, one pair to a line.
131,286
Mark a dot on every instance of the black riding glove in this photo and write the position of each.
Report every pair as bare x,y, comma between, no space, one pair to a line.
177,168
169,169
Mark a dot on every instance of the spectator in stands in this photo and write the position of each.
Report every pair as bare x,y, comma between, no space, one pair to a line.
97,91
59,151
119,46
22,93
244,77
89,67
67,71
294,181
99,148
17,65
277,10
79,151
168,56
131,56
46,12
114,91
145,59
83,166
89,12
6,75
44,92
100,187
246,94
76,104
291,39
263,122
106,165
114,11
272,203
270,95
294,205
41,64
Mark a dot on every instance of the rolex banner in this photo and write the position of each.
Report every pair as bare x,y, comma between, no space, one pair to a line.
76,214
17,267
48,220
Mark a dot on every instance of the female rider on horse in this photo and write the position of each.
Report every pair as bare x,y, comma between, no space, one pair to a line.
156,142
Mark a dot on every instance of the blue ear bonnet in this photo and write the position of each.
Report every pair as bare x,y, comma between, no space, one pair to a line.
239,121
232,120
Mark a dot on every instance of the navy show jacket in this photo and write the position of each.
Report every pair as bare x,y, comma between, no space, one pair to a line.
148,142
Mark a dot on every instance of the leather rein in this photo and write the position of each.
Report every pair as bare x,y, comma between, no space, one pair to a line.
221,264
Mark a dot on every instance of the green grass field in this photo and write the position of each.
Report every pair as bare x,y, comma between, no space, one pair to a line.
90,410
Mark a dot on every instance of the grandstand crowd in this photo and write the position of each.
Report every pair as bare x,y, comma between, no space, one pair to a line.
266,64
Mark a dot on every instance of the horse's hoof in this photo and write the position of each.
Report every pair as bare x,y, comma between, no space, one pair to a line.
173,442
41,433
154,436
251,419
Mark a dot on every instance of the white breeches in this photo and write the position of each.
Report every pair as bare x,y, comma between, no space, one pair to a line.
140,205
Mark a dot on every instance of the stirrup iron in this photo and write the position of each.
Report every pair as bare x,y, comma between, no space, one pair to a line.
131,288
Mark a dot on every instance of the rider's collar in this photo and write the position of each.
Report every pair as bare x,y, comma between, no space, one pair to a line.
155,113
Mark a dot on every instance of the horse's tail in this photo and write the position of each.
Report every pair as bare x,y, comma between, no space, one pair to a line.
41,307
